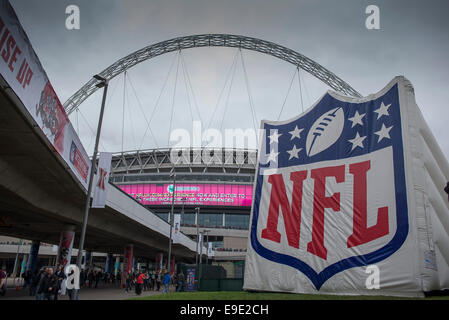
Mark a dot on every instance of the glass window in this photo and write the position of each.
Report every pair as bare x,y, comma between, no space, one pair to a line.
163,216
188,219
237,221
211,220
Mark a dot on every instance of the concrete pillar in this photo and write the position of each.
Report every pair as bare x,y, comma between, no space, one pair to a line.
127,262
91,259
65,246
108,263
24,264
86,260
32,257
158,266
172,266
117,265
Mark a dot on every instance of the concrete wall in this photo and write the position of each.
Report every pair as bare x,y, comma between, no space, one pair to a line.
235,242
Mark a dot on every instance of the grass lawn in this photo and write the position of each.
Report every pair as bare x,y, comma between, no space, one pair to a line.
242,295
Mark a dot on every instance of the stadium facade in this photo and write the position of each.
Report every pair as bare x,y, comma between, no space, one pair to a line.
217,181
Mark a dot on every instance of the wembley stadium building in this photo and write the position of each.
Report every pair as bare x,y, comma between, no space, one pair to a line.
219,182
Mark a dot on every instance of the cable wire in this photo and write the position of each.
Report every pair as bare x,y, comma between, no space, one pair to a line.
234,61
227,97
173,103
249,96
157,100
191,87
300,90
143,113
286,96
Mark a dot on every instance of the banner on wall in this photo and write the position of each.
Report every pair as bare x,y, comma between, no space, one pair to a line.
65,248
234,195
190,279
127,262
339,200
101,181
200,243
159,258
209,249
176,228
65,253
22,70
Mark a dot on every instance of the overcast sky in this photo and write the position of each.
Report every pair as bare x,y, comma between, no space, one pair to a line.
413,41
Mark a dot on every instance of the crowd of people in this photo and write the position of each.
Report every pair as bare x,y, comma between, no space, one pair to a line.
46,283
153,281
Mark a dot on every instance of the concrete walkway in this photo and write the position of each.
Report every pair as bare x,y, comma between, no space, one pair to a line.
103,292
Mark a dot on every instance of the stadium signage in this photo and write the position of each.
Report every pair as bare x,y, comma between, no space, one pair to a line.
332,197
22,70
191,194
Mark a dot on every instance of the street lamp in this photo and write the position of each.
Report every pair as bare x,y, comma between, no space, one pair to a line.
200,270
172,174
197,209
197,213
207,246
103,82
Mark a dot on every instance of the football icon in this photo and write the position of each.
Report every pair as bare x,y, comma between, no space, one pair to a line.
325,131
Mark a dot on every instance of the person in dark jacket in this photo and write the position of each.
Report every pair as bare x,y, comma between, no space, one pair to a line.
60,275
128,281
39,278
181,280
90,278
27,276
35,278
49,285
83,278
3,279
97,276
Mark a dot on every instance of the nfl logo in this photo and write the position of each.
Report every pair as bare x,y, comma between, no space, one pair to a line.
330,194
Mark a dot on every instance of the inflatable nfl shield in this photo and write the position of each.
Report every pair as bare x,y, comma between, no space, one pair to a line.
349,199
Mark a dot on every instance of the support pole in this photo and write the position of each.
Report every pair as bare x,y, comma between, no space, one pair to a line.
104,84
171,223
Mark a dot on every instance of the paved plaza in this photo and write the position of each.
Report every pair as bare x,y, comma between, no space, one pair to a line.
103,292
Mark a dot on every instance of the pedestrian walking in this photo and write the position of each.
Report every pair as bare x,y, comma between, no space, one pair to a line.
128,281
38,281
82,278
3,279
158,281
48,285
60,276
35,277
167,279
90,278
181,280
72,293
97,276
153,280
146,281
139,283
26,279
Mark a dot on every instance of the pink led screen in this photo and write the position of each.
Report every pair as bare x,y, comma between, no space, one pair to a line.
195,194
